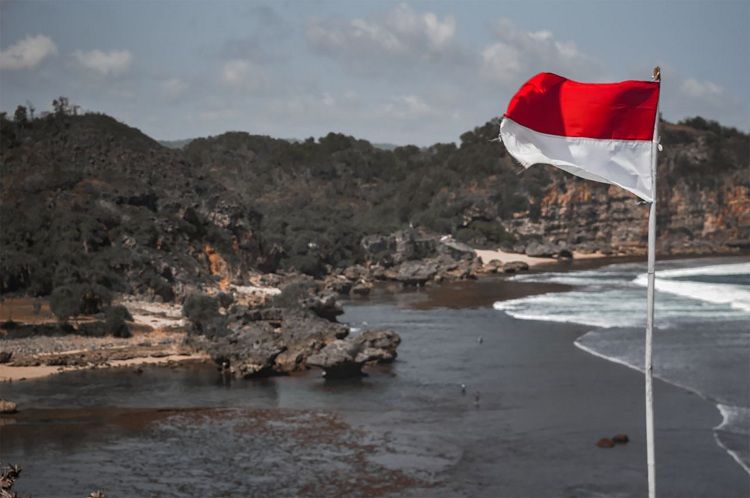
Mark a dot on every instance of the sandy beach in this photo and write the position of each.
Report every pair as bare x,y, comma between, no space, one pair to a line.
158,336
13,373
487,255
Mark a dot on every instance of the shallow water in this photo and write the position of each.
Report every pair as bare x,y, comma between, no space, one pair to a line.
702,341
406,429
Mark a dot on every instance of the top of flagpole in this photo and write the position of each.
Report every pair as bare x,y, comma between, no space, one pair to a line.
656,74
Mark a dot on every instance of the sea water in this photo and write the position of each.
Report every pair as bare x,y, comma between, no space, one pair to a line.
702,335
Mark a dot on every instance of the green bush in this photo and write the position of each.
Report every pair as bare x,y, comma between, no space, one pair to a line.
200,309
292,294
114,321
78,299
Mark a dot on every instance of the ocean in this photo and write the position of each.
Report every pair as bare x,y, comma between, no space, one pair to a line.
702,320
482,401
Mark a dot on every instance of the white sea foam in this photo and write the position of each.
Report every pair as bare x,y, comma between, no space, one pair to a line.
736,422
614,296
598,309
736,419
736,296
727,269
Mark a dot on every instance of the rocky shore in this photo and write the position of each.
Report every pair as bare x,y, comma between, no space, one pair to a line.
239,247
265,324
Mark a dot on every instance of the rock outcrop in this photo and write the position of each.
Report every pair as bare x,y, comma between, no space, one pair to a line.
295,330
346,357
326,305
515,266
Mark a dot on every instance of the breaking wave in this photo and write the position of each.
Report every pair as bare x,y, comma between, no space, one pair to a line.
702,336
614,296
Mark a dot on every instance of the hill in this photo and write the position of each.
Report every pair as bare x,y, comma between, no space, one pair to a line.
89,200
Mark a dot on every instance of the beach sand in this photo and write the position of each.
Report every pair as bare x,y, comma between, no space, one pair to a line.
12,373
487,255
158,334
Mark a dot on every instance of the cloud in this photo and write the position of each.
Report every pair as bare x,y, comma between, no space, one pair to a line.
701,89
501,62
407,107
173,88
243,75
219,114
517,54
684,96
105,63
264,40
27,53
400,34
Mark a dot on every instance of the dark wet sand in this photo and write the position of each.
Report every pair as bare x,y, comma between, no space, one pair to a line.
543,405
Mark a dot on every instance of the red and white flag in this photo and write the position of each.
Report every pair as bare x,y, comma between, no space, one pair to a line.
598,131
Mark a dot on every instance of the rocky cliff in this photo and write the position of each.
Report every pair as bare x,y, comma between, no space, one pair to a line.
703,202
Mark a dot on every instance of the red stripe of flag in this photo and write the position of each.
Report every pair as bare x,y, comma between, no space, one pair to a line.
554,105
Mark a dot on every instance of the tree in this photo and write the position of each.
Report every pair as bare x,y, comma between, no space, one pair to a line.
20,116
61,106
32,109
64,302
78,299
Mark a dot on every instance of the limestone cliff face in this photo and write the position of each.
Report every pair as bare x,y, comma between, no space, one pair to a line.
705,209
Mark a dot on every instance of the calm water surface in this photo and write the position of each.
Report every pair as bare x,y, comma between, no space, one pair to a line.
534,407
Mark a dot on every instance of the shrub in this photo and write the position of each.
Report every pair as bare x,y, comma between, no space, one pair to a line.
76,299
292,294
225,299
114,321
200,309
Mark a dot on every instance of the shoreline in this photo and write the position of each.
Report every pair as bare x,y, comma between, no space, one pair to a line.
463,292
430,426
607,402
166,319
11,373
720,407
487,255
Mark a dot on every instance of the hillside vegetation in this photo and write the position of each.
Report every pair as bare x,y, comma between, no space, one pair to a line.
88,201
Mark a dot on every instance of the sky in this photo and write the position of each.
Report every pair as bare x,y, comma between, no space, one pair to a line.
390,72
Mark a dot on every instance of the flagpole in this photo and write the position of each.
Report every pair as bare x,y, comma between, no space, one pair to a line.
648,366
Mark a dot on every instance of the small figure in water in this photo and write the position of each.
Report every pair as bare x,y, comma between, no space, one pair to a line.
463,388
476,398
480,340
226,373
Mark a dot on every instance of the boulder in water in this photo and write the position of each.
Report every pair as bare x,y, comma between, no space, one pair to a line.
605,442
515,266
346,357
620,439
7,406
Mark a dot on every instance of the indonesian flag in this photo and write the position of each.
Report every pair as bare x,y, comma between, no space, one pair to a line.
598,131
